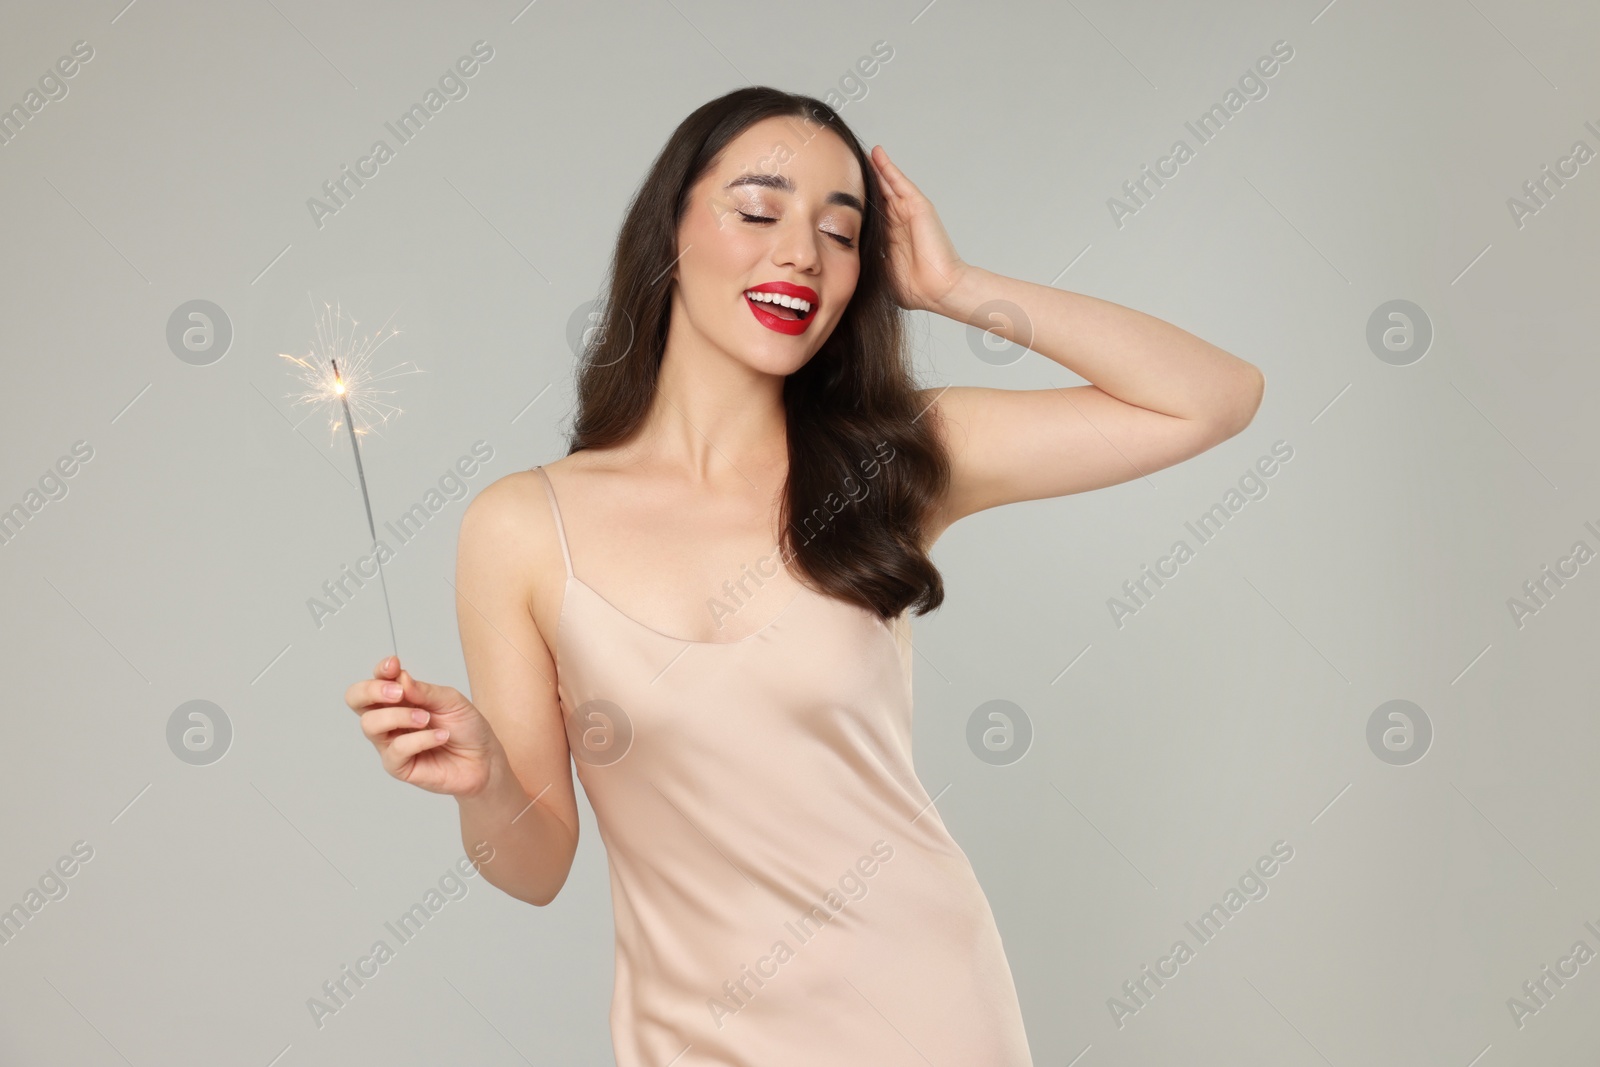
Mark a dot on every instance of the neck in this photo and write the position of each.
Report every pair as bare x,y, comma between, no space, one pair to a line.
713,414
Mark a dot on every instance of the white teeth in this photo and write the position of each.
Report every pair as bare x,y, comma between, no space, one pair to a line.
777,298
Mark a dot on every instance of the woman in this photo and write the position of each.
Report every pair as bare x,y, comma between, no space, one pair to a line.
704,603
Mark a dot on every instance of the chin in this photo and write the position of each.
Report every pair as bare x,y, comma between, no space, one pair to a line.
780,363
774,354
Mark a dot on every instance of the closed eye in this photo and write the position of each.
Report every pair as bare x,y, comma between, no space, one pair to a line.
841,238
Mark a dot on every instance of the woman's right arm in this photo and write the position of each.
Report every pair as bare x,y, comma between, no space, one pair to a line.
526,810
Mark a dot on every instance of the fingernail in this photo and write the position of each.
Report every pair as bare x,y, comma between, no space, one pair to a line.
391,692
419,716
443,735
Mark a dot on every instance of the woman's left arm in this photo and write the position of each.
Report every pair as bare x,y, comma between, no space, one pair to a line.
1159,394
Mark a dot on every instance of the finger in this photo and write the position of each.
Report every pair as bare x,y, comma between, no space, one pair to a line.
355,697
885,183
423,694
406,746
380,721
888,172
372,693
904,187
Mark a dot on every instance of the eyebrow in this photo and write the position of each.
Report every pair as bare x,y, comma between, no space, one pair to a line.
784,184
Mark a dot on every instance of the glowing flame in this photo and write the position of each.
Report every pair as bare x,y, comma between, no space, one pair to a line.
337,372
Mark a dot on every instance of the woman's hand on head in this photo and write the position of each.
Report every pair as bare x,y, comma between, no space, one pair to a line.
403,718
922,260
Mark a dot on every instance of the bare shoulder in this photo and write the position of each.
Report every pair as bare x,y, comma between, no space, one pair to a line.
513,512
508,539
508,512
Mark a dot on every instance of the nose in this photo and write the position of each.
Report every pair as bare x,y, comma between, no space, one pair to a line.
795,246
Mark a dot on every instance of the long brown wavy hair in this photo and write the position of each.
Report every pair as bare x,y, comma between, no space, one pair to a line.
864,469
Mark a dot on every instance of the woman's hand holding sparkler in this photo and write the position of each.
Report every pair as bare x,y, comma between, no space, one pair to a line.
405,718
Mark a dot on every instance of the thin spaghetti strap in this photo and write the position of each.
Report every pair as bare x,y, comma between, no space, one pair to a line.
555,512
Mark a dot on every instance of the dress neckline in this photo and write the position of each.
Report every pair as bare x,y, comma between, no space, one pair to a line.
573,579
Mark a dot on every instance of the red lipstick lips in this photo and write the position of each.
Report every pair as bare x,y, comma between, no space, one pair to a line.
775,322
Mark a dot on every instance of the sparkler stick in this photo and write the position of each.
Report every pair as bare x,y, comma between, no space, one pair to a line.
358,388
338,387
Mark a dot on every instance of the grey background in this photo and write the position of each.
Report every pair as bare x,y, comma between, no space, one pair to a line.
1230,713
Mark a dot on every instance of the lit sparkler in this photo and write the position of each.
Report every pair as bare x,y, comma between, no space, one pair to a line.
361,385
354,385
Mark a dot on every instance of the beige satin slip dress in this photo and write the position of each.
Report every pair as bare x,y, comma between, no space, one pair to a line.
783,890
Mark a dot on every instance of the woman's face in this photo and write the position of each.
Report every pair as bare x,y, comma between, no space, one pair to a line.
781,211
